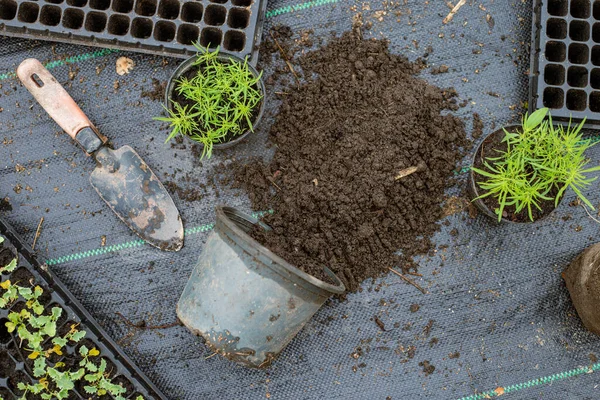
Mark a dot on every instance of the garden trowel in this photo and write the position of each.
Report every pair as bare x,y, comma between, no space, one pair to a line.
121,178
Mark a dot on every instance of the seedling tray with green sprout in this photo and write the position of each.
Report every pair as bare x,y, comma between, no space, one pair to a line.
214,99
50,346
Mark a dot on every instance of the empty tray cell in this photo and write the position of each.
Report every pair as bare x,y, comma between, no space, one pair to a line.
50,15
168,9
556,51
5,336
215,15
576,100
122,6
28,12
77,3
556,28
100,4
553,97
8,9
577,76
192,12
595,101
141,28
580,8
118,24
578,53
95,22
554,74
164,31
234,41
595,78
579,30
147,8
558,7
248,3
7,365
73,18
188,34
596,55
239,18
211,37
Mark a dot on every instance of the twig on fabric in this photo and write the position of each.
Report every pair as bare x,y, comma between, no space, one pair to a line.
38,231
408,280
454,11
287,61
588,213
142,323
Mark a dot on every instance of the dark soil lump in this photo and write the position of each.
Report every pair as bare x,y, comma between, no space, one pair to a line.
341,139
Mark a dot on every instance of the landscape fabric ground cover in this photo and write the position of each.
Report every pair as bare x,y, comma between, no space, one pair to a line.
502,317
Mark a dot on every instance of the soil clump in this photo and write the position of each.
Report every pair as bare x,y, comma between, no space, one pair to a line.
361,120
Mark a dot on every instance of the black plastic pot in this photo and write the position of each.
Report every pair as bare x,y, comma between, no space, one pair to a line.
474,191
247,302
187,65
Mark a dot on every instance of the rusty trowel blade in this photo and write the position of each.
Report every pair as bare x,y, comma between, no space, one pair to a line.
136,195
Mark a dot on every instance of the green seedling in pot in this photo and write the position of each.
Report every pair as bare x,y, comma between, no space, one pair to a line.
216,103
540,162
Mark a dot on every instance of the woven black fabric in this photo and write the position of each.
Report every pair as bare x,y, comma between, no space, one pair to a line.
496,295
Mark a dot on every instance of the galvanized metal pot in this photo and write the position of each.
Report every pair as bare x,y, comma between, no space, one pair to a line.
247,302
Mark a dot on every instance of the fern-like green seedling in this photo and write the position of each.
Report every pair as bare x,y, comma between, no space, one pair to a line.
220,101
540,163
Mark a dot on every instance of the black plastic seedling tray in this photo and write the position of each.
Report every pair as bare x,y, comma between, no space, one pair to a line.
13,363
565,60
163,27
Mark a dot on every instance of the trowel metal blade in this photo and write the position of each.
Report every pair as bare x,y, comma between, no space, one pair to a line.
132,190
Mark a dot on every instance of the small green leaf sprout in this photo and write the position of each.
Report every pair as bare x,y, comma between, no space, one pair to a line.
540,163
34,324
219,101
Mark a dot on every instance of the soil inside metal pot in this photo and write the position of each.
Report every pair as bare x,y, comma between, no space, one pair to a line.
491,147
178,98
361,118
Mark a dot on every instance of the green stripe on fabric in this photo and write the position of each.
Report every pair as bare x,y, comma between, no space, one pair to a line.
546,380
134,243
69,60
298,7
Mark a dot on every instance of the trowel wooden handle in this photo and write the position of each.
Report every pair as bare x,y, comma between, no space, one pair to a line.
53,98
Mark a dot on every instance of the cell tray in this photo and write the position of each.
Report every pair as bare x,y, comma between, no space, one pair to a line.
12,362
162,27
565,60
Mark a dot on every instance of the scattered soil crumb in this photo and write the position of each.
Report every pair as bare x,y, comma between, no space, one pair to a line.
454,355
362,117
158,90
427,367
593,358
477,126
5,204
442,69
414,308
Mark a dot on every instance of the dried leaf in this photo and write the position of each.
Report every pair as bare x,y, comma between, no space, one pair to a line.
124,65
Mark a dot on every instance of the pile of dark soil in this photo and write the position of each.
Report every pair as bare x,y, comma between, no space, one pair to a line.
341,139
